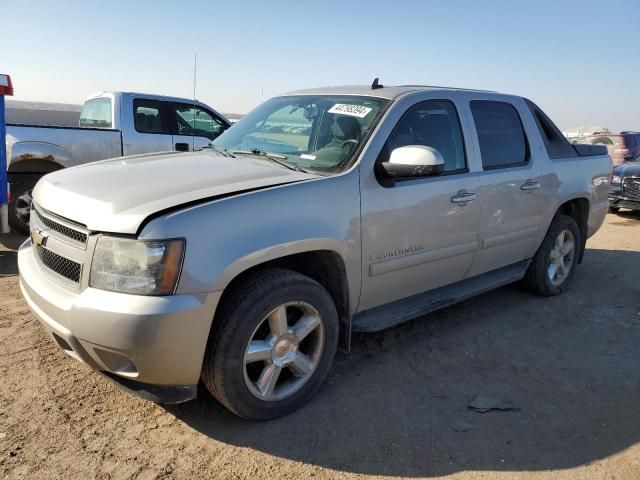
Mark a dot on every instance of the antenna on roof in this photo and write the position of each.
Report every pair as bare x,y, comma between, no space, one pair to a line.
193,124
375,85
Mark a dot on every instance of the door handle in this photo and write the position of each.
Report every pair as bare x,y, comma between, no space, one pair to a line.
182,147
530,185
462,198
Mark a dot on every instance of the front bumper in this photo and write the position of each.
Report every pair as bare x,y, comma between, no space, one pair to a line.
617,199
152,346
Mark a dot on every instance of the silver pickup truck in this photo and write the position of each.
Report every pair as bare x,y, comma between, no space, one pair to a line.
320,213
112,124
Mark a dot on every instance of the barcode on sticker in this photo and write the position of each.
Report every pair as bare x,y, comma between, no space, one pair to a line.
351,110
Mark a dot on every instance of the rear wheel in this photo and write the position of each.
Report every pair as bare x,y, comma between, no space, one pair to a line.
272,344
555,261
20,203
614,209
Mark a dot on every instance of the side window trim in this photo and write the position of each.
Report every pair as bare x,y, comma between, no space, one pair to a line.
527,145
542,120
464,145
162,111
173,115
217,118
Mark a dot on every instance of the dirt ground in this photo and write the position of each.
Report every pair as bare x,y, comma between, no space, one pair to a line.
571,364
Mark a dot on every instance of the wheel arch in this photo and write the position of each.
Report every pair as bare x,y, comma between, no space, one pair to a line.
327,267
38,157
578,209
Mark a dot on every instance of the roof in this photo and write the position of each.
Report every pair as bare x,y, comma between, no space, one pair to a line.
389,92
153,96
147,95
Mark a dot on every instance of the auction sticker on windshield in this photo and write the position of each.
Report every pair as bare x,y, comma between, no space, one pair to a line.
351,110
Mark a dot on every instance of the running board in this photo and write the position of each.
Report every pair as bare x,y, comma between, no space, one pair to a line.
391,314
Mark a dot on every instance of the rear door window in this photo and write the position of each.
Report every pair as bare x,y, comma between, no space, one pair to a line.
500,133
96,113
149,117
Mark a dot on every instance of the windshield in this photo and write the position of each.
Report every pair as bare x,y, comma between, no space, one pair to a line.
310,132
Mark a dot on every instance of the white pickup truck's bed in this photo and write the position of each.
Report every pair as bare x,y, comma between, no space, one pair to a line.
72,145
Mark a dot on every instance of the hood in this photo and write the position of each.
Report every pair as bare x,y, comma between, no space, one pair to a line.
117,195
627,169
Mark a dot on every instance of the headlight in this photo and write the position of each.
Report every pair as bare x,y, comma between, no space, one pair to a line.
136,266
615,180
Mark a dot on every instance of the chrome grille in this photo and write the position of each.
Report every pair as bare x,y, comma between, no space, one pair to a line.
62,266
71,233
631,188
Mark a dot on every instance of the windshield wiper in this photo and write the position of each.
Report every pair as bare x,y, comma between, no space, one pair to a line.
223,151
274,157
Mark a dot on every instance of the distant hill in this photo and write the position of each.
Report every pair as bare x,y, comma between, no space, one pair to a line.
60,107
234,117
43,113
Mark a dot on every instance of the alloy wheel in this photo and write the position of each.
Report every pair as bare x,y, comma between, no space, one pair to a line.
561,258
284,351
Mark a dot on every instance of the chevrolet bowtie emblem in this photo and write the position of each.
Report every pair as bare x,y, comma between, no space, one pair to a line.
39,237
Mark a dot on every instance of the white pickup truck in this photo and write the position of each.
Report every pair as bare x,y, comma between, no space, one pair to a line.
112,124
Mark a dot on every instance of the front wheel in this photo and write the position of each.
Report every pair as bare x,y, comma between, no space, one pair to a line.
272,344
555,261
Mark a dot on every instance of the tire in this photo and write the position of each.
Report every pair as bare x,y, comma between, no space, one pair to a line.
538,277
250,315
20,203
614,209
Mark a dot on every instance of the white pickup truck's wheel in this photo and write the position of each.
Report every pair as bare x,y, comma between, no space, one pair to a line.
20,204
272,344
555,261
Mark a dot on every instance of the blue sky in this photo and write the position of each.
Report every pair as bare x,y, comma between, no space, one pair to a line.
579,60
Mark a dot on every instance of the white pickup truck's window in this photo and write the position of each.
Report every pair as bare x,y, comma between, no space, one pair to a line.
319,133
193,120
96,113
147,116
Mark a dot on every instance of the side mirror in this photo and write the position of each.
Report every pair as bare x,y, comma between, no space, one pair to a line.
414,161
